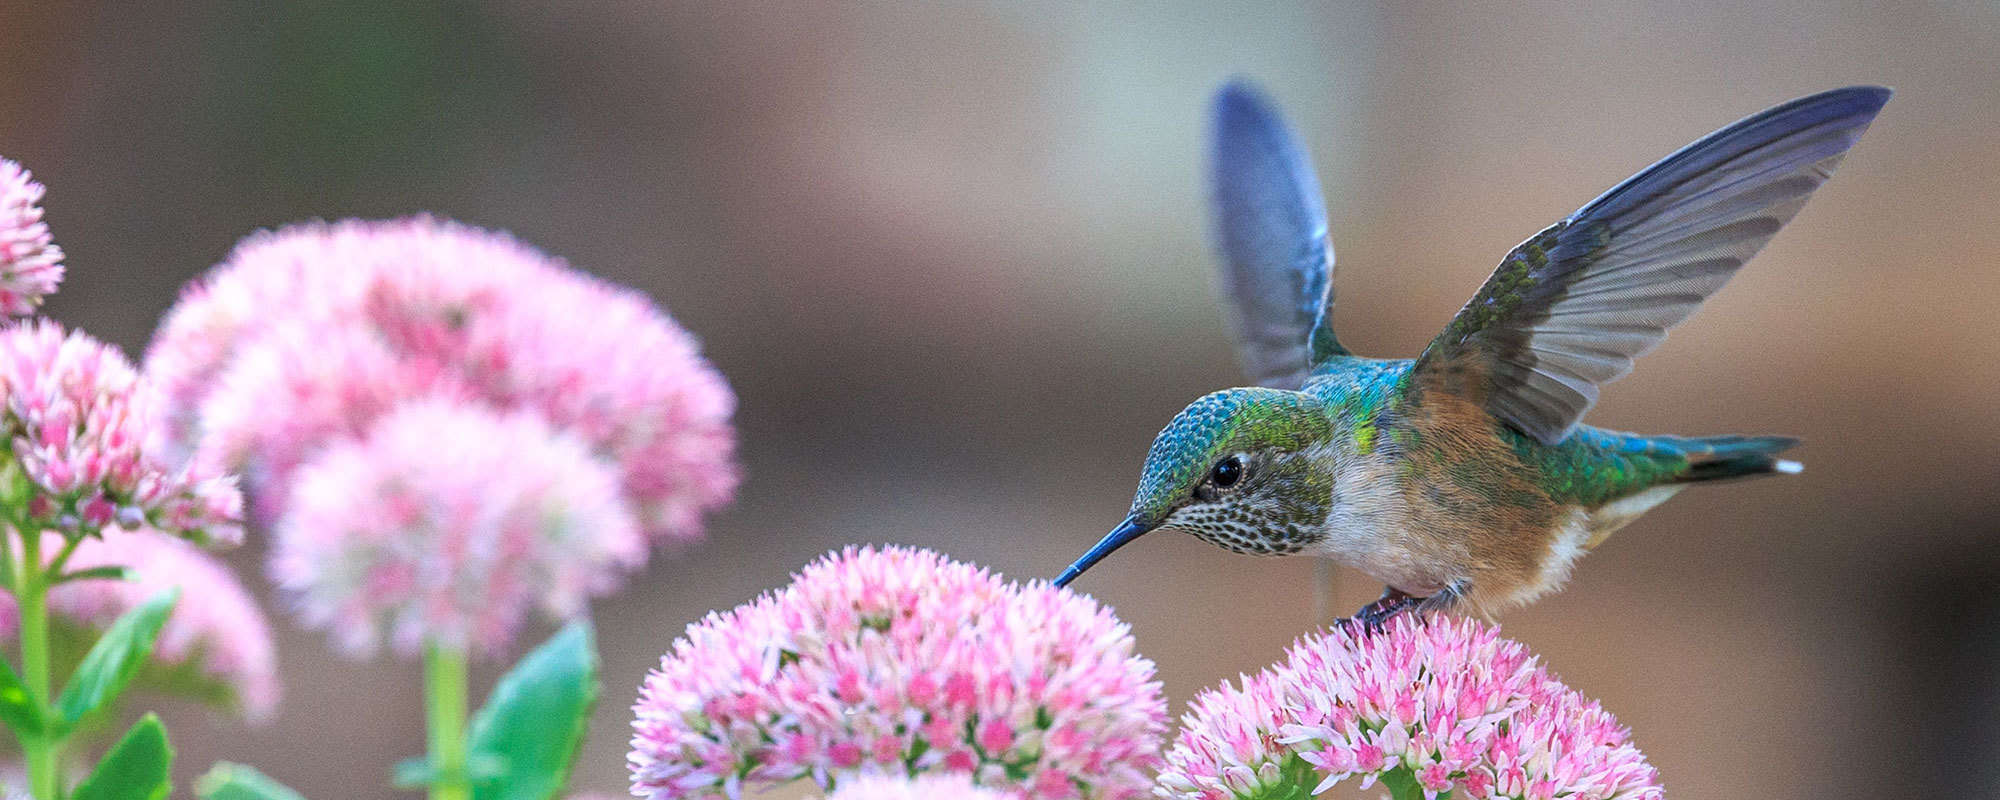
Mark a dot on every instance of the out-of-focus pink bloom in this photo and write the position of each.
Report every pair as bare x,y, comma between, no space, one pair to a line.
944,786
216,633
602,361
1447,705
895,660
446,523
313,331
269,279
299,390
14,780
84,428
30,262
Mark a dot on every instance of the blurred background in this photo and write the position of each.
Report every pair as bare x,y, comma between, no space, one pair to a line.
953,259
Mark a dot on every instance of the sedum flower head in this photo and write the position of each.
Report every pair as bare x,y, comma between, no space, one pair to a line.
83,430
604,362
30,262
1443,706
299,391
231,307
945,786
899,661
216,644
310,333
446,524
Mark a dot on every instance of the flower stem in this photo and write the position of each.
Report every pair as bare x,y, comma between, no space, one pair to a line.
41,750
444,691
62,559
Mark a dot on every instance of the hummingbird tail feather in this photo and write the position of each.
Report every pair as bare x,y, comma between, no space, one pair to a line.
1724,457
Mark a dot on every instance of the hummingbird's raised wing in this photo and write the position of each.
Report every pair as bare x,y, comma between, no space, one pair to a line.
1277,263
1569,309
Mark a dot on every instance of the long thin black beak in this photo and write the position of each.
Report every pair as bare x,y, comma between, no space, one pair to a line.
1126,531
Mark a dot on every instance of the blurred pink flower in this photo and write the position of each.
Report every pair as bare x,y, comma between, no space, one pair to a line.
1447,705
216,631
310,333
84,429
30,262
945,786
14,779
604,362
287,278
299,390
898,660
446,523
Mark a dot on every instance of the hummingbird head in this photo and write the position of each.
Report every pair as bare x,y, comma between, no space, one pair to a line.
1235,468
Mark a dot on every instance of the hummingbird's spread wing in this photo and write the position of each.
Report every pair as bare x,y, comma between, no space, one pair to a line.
1569,309
1277,262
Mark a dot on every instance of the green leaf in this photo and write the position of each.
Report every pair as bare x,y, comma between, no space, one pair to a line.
94,573
1402,785
227,781
535,719
137,768
21,713
1296,781
115,658
416,772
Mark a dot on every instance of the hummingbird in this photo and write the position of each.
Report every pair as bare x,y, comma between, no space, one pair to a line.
1463,477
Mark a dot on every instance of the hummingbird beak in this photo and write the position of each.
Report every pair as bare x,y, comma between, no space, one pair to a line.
1131,528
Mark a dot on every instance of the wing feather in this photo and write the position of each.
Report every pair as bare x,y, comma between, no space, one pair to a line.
1569,309
1277,261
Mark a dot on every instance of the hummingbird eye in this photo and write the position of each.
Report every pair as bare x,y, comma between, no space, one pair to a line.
1226,473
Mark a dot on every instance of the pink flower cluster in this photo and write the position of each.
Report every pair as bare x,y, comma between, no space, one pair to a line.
81,426
400,534
946,786
310,334
1448,705
216,633
30,262
899,661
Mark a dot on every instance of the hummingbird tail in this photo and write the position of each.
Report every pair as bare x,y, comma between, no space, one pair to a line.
1717,458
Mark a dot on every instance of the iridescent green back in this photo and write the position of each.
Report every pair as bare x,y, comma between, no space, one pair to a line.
1371,400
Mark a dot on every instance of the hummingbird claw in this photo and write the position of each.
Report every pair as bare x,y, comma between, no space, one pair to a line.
1393,603
1375,616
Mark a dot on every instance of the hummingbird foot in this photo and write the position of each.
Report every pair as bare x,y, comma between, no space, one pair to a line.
1374,616
1393,602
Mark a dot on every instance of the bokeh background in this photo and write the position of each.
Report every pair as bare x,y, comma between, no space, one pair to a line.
953,259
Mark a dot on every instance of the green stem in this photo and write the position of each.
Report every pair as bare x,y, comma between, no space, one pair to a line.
444,691
69,549
7,560
42,751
